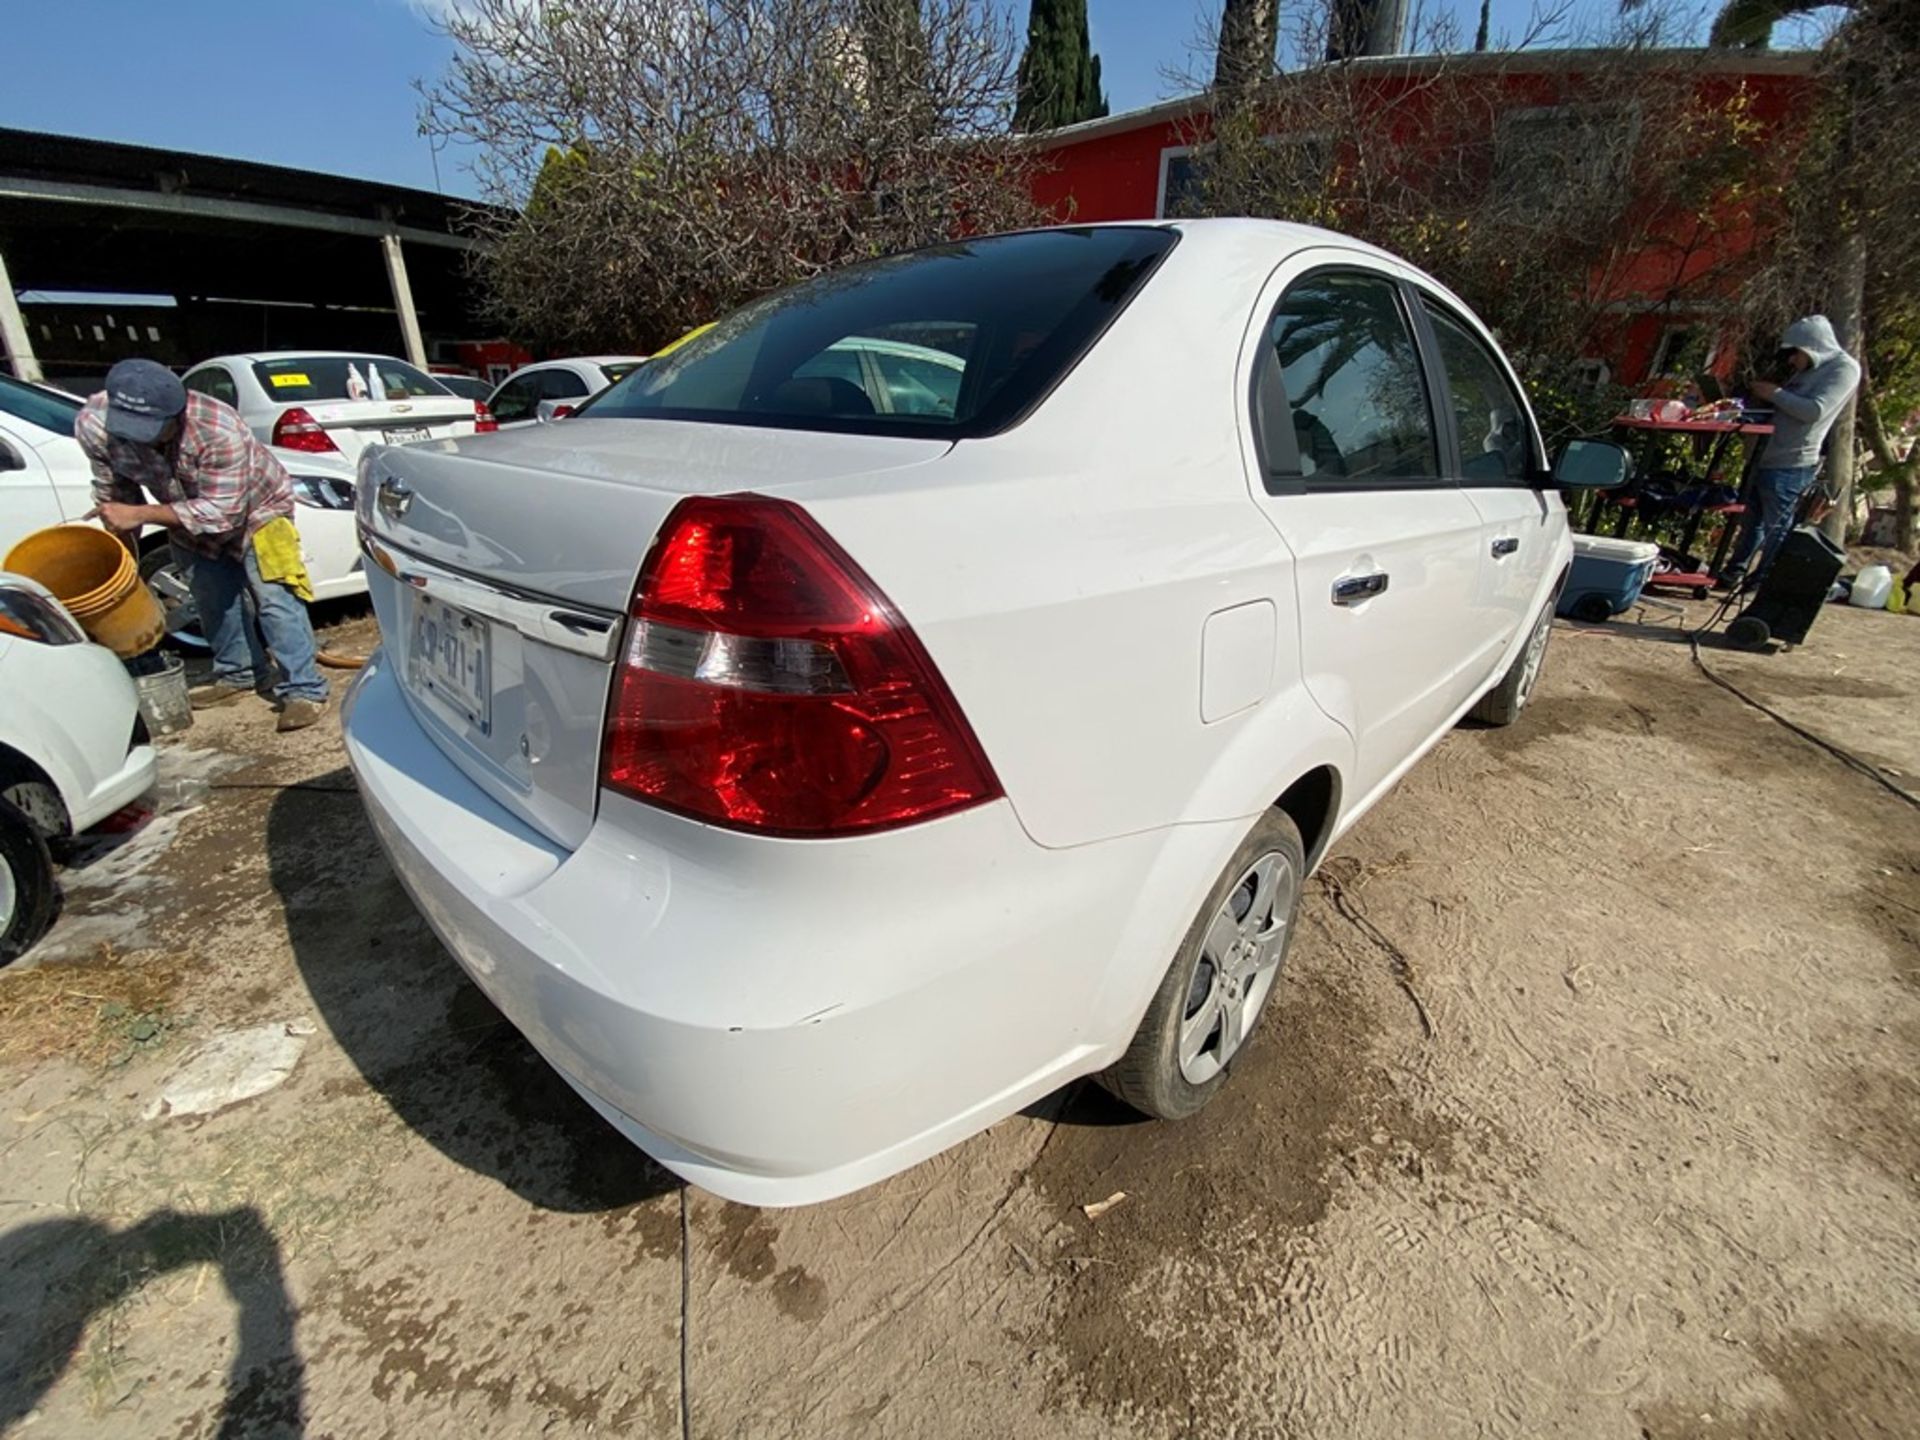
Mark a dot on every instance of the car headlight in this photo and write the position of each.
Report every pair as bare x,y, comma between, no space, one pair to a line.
32,616
323,492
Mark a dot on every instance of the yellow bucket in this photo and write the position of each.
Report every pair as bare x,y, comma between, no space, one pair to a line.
98,580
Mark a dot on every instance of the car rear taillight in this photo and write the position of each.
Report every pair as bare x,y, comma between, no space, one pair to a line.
561,412
297,430
483,421
767,685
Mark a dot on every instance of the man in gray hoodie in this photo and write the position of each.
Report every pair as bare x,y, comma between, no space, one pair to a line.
1804,409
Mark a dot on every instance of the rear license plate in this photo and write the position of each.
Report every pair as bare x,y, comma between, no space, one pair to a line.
451,659
404,434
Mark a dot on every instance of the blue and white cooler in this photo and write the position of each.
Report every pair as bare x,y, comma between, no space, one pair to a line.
1608,576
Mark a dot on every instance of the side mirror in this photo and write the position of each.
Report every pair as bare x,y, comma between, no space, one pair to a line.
1592,465
8,459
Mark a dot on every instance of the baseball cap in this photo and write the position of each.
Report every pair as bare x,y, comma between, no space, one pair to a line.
142,396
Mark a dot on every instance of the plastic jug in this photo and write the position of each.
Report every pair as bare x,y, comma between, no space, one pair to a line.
1871,587
1900,599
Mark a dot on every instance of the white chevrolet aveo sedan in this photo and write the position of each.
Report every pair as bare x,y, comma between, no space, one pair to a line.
816,781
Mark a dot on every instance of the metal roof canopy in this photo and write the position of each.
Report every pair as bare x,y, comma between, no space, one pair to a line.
87,215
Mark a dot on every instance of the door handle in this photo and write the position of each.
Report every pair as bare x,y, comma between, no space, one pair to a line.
1505,545
1352,589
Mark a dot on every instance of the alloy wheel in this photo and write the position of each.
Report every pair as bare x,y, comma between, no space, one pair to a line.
1536,654
1235,970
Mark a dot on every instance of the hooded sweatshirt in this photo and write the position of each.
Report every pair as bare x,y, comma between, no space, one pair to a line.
1808,404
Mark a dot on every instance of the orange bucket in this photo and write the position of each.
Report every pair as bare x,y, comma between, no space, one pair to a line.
98,580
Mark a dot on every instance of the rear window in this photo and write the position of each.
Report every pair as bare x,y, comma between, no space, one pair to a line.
324,377
37,407
954,341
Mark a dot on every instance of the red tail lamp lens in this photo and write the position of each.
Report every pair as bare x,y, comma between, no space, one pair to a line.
766,684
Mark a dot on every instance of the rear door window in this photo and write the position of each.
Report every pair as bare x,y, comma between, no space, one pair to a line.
966,338
561,384
515,399
1489,419
216,382
1355,399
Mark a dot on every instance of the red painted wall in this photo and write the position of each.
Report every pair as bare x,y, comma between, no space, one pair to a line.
1116,176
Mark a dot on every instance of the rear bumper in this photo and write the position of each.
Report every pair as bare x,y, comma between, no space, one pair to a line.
127,784
784,1021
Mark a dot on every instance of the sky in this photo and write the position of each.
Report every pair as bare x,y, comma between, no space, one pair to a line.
329,85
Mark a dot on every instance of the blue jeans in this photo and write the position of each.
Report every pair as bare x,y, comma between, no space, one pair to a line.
244,618
1777,494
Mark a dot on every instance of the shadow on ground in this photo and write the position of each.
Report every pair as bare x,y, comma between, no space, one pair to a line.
419,1032
58,1276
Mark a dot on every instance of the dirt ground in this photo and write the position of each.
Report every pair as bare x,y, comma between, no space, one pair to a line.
1655,1172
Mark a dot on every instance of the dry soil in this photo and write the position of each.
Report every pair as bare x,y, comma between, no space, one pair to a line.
1655,1171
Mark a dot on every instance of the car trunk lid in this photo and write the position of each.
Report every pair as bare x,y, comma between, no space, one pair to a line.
501,570
353,425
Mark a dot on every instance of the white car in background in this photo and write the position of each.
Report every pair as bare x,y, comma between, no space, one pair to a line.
44,477
308,400
554,389
45,480
73,749
820,771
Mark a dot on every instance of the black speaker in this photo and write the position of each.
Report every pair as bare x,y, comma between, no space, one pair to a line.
1792,591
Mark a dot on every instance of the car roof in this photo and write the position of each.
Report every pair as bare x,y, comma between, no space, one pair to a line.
257,356
580,360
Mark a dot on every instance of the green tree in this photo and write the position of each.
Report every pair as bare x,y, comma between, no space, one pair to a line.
1059,74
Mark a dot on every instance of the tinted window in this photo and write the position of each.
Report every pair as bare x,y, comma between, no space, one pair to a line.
37,406
324,377
467,387
216,382
1488,417
561,385
515,399
620,369
1015,312
1354,391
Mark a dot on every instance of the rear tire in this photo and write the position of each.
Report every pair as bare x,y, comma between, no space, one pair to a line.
27,892
1204,1013
169,587
1502,704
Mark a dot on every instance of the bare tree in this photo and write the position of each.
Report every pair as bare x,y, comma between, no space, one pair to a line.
1542,216
670,158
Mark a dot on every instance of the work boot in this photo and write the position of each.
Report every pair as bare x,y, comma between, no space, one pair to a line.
298,714
213,696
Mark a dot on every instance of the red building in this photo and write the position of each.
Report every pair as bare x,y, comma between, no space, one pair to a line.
1138,165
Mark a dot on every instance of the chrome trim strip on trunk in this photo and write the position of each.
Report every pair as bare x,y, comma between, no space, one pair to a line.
592,633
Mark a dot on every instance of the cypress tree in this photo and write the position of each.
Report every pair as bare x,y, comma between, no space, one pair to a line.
1059,74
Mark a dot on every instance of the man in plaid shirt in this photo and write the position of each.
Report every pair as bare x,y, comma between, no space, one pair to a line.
215,487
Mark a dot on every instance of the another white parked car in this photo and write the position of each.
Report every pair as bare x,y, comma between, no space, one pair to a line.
336,401
554,389
816,781
72,748
44,476
45,480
